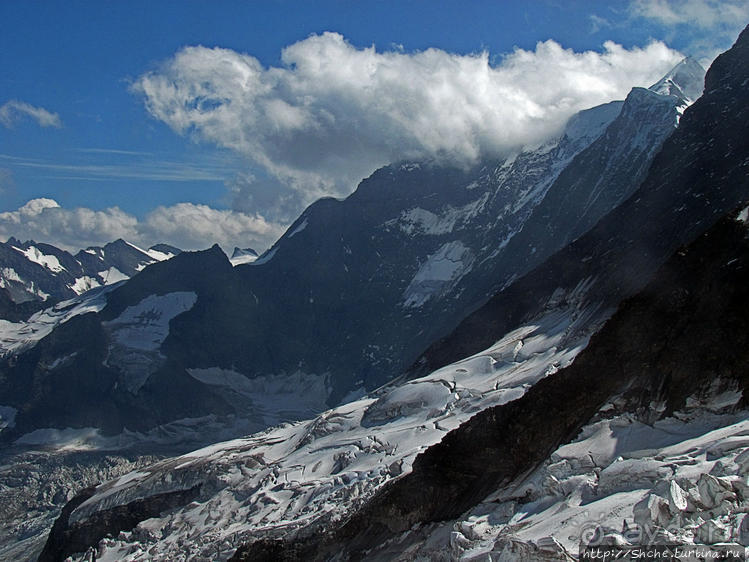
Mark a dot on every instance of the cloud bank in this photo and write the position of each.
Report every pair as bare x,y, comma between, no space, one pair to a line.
185,225
332,113
14,110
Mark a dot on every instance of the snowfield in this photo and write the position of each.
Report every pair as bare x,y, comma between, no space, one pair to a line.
16,336
290,475
137,335
438,273
35,255
622,480
682,480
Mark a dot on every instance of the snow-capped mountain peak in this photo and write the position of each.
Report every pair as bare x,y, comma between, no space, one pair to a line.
685,81
243,255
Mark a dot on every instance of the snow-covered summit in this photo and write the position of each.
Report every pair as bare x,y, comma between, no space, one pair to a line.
685,81
243,255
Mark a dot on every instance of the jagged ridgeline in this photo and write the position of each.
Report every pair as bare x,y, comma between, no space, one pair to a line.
554,424
35,276
345,301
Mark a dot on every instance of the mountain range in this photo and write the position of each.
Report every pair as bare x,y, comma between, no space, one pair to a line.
35,275
486,361
361,285
609,407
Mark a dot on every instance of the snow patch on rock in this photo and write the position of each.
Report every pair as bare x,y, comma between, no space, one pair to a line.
15,336
266,257
269,399
302,225
83,284
35,255
418,221
438,273
112,275
137,334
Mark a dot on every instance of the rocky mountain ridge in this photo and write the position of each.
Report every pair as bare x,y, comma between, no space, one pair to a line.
462,461
34,275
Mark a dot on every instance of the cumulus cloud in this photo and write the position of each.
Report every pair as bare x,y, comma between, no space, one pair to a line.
186,225
44,220
332,113
14,110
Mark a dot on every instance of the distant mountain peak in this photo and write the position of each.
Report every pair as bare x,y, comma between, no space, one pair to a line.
686,81
37,271
243,255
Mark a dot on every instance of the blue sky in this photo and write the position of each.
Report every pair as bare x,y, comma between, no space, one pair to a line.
138,119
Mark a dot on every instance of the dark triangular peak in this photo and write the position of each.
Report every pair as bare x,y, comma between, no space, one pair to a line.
120,259
189,271
685,81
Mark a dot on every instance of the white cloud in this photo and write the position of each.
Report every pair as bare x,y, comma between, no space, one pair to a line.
185,225
707,26
597,23
44,220
13,110
705,14
332,113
